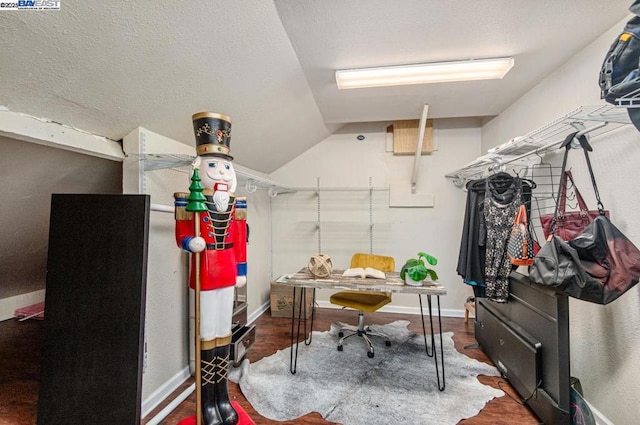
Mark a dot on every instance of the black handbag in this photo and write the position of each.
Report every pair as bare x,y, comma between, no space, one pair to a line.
619,73
598,265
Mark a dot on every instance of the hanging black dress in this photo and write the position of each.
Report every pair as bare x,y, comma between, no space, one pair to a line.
472,254
501,203
471,257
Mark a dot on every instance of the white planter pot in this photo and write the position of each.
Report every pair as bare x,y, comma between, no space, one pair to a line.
411,282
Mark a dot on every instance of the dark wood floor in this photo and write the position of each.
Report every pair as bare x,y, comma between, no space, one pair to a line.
20,357
21,353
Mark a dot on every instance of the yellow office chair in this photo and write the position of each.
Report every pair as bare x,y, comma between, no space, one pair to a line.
364,301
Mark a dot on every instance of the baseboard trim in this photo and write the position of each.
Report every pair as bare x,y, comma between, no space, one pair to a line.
8,306
165,390
258,312
162,393
157,419
599,417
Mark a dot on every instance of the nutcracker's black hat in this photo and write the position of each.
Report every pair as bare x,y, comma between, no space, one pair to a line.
213,134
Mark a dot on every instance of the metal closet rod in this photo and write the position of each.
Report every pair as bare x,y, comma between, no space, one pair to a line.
340,189
162,208
543,149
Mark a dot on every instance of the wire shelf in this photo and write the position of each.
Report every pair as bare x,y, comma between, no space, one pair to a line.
528,149
152,162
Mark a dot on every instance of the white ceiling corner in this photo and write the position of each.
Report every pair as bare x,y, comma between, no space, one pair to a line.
110,67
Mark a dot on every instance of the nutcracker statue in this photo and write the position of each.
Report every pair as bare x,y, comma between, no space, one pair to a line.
211,224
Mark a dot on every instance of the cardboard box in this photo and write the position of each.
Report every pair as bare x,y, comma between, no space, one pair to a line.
405,137
282,300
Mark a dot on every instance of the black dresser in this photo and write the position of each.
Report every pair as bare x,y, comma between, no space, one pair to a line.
527,338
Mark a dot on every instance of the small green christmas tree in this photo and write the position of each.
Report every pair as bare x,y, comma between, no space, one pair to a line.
196,198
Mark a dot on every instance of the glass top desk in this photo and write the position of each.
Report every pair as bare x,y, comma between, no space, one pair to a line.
303,280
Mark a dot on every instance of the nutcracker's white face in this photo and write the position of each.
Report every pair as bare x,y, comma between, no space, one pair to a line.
217,170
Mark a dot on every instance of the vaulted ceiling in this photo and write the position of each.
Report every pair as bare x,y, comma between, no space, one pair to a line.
109,67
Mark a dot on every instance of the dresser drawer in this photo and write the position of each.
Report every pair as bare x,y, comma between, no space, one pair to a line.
243,337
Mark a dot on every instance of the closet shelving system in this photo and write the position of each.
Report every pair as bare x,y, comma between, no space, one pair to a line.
251,182
528,337
527,150
324,224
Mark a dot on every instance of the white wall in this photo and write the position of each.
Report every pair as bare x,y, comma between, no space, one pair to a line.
342,161
573,84
605,340
166,315
258,251
37,159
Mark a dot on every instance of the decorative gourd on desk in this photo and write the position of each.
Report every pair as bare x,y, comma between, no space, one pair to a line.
415,271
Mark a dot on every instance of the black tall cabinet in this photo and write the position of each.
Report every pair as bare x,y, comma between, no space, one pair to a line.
94,310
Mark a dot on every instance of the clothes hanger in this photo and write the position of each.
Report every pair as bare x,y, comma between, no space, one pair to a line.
525,171
571,196
545,165
530,183
476,185
500,182
500,176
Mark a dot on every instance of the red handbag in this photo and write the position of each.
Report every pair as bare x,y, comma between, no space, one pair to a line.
569,224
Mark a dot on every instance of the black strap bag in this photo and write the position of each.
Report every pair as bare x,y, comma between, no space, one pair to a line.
620,72
598,265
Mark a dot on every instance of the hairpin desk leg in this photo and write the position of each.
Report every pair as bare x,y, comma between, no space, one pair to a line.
434,354
424,330
313,313
293,364
302,318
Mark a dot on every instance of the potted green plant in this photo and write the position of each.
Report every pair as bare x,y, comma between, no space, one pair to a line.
415,270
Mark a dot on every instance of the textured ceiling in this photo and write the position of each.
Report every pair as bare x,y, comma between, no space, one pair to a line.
109,67
541,35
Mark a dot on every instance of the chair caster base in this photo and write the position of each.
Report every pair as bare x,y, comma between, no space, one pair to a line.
364,332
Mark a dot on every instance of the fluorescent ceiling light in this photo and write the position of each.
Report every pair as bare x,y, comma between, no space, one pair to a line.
437,72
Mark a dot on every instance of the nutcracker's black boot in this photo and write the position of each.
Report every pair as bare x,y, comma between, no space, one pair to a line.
227,412
209,376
